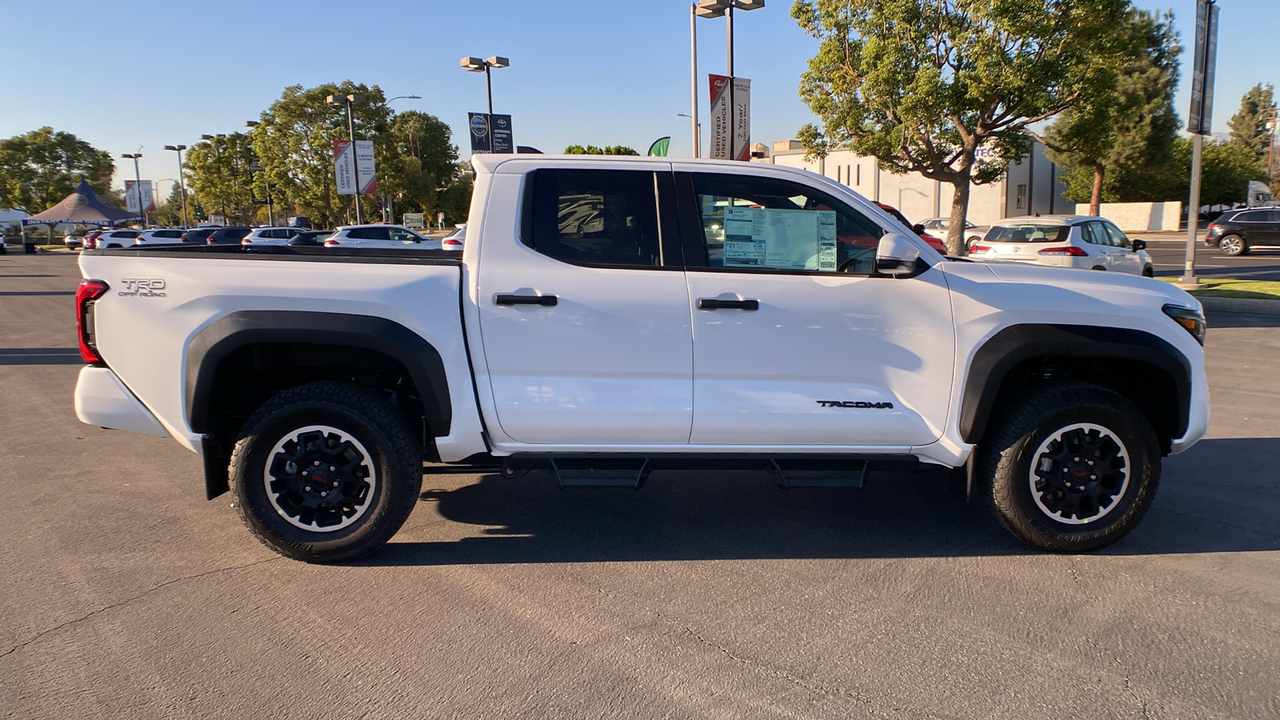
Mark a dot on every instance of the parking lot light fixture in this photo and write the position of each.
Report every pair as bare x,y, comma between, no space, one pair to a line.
182,185
137,188
350,100
475,64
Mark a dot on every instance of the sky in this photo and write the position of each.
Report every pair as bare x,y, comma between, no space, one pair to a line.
136,75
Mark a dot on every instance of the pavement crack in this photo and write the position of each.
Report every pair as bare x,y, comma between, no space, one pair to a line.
38,636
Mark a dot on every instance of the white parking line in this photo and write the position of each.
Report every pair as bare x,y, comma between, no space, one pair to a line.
1199,265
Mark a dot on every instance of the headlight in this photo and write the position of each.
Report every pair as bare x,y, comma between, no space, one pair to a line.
1191,320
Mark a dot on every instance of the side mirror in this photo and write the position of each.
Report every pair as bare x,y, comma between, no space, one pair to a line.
917,228
1139,245
896,255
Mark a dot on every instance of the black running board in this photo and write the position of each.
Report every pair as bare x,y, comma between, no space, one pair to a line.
631,471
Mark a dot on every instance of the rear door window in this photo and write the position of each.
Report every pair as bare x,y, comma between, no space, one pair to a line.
594,217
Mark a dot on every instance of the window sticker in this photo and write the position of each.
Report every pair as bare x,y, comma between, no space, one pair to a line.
780,239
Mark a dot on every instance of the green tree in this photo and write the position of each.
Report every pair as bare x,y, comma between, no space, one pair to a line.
593,150
39,168
922,85
294,144
425,161
455,199
169,212
219,175
1109,141
1249,124
1226,169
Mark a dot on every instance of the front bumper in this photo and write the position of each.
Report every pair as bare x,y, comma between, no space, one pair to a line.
102,400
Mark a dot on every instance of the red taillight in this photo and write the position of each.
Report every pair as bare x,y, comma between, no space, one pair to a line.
88,292
330,243
980,249
1071,250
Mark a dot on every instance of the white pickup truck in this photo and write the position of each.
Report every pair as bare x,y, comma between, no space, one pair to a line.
612,316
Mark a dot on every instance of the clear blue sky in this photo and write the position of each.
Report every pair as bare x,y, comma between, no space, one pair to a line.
145,73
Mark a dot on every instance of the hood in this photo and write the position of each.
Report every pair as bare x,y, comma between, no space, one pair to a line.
1083,280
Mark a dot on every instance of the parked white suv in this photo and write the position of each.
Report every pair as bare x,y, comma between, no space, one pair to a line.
271,235
117,239
1073,241
160,236
380,236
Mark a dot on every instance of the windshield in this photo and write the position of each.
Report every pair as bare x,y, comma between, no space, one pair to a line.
1028,233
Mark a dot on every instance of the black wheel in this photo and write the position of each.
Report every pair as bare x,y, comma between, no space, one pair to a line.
326,472
1070,467
1233,245
1148,272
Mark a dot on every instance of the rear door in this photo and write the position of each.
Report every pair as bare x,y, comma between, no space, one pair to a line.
583,306
796,339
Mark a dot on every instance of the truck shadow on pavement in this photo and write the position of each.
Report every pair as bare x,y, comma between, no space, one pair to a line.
1221,496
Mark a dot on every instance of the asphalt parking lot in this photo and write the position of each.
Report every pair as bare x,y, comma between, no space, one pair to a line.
705,595
1169,253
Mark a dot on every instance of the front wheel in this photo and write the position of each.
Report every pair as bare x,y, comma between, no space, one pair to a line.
1233,245
1070,467
326,472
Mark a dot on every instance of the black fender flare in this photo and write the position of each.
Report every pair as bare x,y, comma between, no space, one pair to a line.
1016,344
258,327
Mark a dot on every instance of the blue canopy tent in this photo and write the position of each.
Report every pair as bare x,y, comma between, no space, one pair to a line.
82,207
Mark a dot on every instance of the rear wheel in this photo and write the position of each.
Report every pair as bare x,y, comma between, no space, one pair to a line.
326,472
1148,272
1233,245
1070,467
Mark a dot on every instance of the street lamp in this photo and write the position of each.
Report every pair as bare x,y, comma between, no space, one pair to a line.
406,97
256,167
181,184
697,126
350,100
714,9
137,178
217,152
475,64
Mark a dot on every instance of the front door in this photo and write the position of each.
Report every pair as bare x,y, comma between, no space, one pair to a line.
797,339
584,313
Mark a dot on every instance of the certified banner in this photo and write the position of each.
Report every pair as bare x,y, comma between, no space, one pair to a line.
344,167
741,119
719,117
481,142
133,191
501,127
366,178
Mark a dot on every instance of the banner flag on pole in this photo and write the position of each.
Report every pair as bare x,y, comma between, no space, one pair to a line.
659,147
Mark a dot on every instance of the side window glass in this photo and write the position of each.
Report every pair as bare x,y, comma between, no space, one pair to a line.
594,217
402,236
754,223
1118,238
1089,231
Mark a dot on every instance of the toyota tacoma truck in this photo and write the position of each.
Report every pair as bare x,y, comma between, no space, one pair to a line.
612,316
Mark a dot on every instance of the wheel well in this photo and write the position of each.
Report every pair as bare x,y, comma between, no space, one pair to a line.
1149,387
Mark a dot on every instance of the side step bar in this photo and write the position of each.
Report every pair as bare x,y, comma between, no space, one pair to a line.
624,471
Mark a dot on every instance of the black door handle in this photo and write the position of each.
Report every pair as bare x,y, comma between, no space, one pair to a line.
718,304
511,299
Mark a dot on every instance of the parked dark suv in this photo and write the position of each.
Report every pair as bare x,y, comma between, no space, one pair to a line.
228,235
1238,231
197,236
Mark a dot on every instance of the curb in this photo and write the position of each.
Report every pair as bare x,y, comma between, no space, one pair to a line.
1240,305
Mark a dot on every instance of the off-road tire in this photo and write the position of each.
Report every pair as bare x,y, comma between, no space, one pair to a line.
1010,450
365,425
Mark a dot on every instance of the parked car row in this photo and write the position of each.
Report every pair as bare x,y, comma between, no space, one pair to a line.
1072,241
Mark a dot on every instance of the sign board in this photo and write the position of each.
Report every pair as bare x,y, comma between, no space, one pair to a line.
719,117
131,195
1199,119
741,119
481,142
344,167
500,126
366,178
414,220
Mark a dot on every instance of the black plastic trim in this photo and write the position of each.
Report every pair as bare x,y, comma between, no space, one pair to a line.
292,253
271,327
1018,343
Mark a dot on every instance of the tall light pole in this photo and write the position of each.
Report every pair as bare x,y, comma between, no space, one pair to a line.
137,178
181,184
475,64
255,167
349,101
217,153
696,128
714,9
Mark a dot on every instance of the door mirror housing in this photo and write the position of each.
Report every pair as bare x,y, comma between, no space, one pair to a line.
896,255
1139,244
